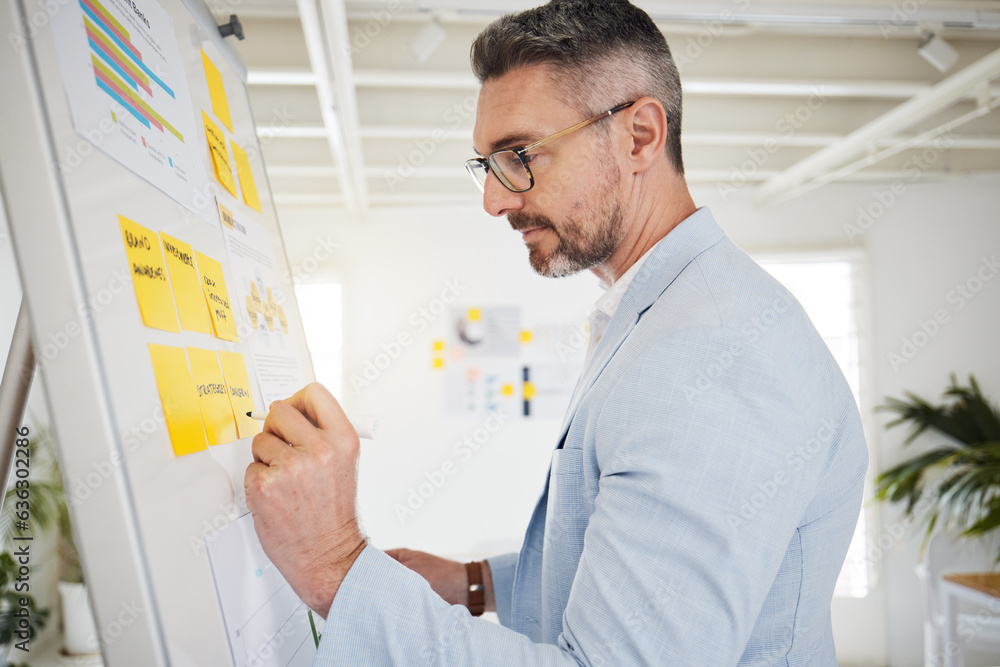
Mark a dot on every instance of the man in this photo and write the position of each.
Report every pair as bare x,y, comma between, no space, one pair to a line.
708,478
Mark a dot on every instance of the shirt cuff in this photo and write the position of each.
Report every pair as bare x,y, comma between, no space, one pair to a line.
502,570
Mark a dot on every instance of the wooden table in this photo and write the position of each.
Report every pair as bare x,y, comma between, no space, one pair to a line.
979,588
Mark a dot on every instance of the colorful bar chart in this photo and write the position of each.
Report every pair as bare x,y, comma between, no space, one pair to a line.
120,61
100,16
110,54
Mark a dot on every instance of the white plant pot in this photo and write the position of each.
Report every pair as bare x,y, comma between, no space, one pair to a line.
79,630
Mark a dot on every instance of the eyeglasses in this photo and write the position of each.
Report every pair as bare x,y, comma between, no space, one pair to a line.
511,164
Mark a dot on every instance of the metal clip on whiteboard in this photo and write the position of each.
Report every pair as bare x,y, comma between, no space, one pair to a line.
234,27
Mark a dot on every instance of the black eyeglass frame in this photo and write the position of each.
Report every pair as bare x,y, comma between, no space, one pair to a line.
488,163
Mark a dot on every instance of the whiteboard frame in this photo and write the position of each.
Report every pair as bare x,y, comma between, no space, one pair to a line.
106,527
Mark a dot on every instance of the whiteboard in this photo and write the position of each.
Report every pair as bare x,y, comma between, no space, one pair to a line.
140,512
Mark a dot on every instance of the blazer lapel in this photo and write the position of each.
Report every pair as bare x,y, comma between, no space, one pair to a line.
678,248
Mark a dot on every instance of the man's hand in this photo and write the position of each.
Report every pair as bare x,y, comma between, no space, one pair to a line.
446,577
301,489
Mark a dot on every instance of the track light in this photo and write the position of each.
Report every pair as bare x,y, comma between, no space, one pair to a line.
428,39
938,52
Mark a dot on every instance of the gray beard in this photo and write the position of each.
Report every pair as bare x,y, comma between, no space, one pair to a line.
576,251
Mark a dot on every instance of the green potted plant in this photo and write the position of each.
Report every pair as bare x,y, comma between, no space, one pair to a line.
49,510
957,482
44,499
11,613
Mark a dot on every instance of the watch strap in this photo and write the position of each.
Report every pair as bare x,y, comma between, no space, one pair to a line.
477,593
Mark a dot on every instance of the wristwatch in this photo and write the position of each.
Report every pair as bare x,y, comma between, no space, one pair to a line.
477,594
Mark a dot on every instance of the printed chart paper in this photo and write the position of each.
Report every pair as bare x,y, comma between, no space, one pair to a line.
260,294
267,624
128,94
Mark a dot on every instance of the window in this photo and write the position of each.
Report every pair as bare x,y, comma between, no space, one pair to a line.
827,288
321,308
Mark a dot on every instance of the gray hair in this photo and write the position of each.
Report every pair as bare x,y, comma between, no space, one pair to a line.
604,53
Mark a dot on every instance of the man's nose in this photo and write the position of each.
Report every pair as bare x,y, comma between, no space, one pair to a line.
498,200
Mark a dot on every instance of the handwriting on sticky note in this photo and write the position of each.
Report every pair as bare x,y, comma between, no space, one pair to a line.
217,91
186,285
220,154
217,297
178,398
238,385
213,398
247,184
149,276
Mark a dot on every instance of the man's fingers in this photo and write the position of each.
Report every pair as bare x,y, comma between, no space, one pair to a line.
322,409
252,481
288,423
268,449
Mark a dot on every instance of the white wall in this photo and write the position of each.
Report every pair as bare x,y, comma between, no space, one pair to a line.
927,239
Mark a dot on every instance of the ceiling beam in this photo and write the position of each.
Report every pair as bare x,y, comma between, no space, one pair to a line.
738,139
691,175
444,80
324,24
906,115
932,136
281,76
961,14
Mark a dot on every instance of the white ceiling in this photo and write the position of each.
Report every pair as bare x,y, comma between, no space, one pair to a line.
362,123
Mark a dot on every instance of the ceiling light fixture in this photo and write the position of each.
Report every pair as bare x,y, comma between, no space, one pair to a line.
938,52
428,39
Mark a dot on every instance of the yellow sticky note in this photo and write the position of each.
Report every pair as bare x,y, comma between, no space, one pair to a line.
149,276
438,362
247,185
213,284
270,309
213,397
179,399
507,390
439,346
525,336
255,295
226,215
283,320
238,385
186,285
529,391
220,155
268,316
220,105
251,312
475,314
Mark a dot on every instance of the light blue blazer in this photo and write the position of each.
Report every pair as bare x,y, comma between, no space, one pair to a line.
699,506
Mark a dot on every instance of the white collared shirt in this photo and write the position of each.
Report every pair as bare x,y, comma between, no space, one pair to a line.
607,305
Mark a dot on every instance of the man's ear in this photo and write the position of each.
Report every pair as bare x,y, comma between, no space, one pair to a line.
646,124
